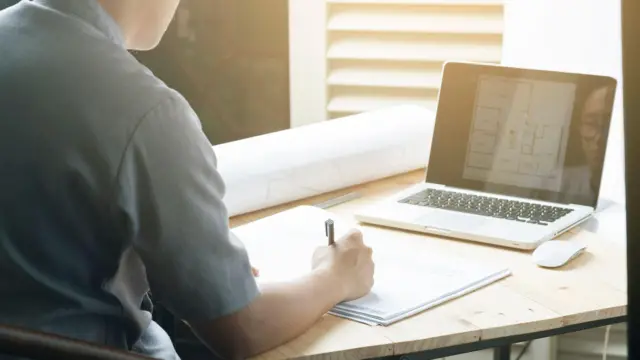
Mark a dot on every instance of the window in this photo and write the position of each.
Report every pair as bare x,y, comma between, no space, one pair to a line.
366,54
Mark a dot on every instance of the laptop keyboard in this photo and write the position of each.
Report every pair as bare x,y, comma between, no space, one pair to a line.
488,206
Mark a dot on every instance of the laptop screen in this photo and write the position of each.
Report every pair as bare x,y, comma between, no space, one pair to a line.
520,132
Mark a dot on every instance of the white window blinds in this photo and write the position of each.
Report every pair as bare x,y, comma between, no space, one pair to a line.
381,53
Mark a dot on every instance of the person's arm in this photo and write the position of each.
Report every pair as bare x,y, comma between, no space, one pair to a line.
280,313
283,311
171,195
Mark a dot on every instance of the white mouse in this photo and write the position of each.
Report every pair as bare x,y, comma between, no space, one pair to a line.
555,253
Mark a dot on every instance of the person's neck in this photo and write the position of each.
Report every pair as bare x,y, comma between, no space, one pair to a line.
119,10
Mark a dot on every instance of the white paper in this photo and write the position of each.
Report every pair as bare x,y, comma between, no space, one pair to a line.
288,165
281,246
370,320
406,282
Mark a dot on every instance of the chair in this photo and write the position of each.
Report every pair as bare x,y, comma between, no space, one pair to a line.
34,345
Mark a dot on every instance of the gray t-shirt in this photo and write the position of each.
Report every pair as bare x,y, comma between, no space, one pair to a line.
108,186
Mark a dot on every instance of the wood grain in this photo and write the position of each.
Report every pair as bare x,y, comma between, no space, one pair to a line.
532,299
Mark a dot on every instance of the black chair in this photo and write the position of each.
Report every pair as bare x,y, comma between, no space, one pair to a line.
35,345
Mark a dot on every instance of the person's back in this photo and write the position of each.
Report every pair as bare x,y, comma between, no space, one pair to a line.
109,188
58,170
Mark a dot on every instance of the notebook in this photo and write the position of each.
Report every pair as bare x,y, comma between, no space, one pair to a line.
406,282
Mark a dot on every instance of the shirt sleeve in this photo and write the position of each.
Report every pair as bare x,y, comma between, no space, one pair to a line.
171,197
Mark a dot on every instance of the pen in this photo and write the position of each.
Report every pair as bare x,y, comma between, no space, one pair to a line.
328,228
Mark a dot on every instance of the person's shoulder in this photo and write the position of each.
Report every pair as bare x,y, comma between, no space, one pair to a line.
114,81
147,101
134,85
76,64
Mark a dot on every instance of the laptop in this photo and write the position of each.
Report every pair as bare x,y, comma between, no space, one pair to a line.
516,157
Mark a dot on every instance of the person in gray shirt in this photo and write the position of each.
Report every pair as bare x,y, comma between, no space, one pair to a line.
109,190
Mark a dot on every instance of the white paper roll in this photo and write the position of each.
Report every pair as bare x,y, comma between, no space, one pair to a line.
288,165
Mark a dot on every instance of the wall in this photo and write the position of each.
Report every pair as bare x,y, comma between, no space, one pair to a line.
572,35
230,59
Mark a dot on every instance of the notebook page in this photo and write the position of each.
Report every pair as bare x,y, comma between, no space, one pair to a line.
281,247
369,320
404,282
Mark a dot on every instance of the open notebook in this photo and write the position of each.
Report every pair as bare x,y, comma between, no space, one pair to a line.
406,282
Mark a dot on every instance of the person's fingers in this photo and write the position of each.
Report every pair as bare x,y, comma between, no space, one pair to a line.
355,237
255,271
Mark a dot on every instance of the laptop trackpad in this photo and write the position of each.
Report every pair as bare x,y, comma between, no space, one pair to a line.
447,220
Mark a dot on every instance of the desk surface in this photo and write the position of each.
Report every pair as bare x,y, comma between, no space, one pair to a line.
592,287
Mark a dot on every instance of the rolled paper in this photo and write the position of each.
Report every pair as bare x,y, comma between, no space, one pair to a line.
288,165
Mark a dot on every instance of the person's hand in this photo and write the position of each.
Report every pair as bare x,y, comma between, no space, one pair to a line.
350,262
255,272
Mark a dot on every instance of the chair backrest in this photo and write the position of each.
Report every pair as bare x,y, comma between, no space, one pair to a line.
34,345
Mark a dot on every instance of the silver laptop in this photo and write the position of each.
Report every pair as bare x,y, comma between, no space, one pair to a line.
516,157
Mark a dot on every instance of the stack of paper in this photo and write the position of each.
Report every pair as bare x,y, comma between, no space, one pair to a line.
405,286
406,281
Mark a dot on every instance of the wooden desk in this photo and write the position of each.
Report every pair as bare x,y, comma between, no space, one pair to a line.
532,303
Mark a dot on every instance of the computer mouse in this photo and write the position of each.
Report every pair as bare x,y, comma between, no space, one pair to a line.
555,253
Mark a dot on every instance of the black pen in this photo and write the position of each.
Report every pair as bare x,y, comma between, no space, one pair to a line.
328,229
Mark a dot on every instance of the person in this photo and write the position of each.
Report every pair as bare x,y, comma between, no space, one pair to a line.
109,190
581,179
